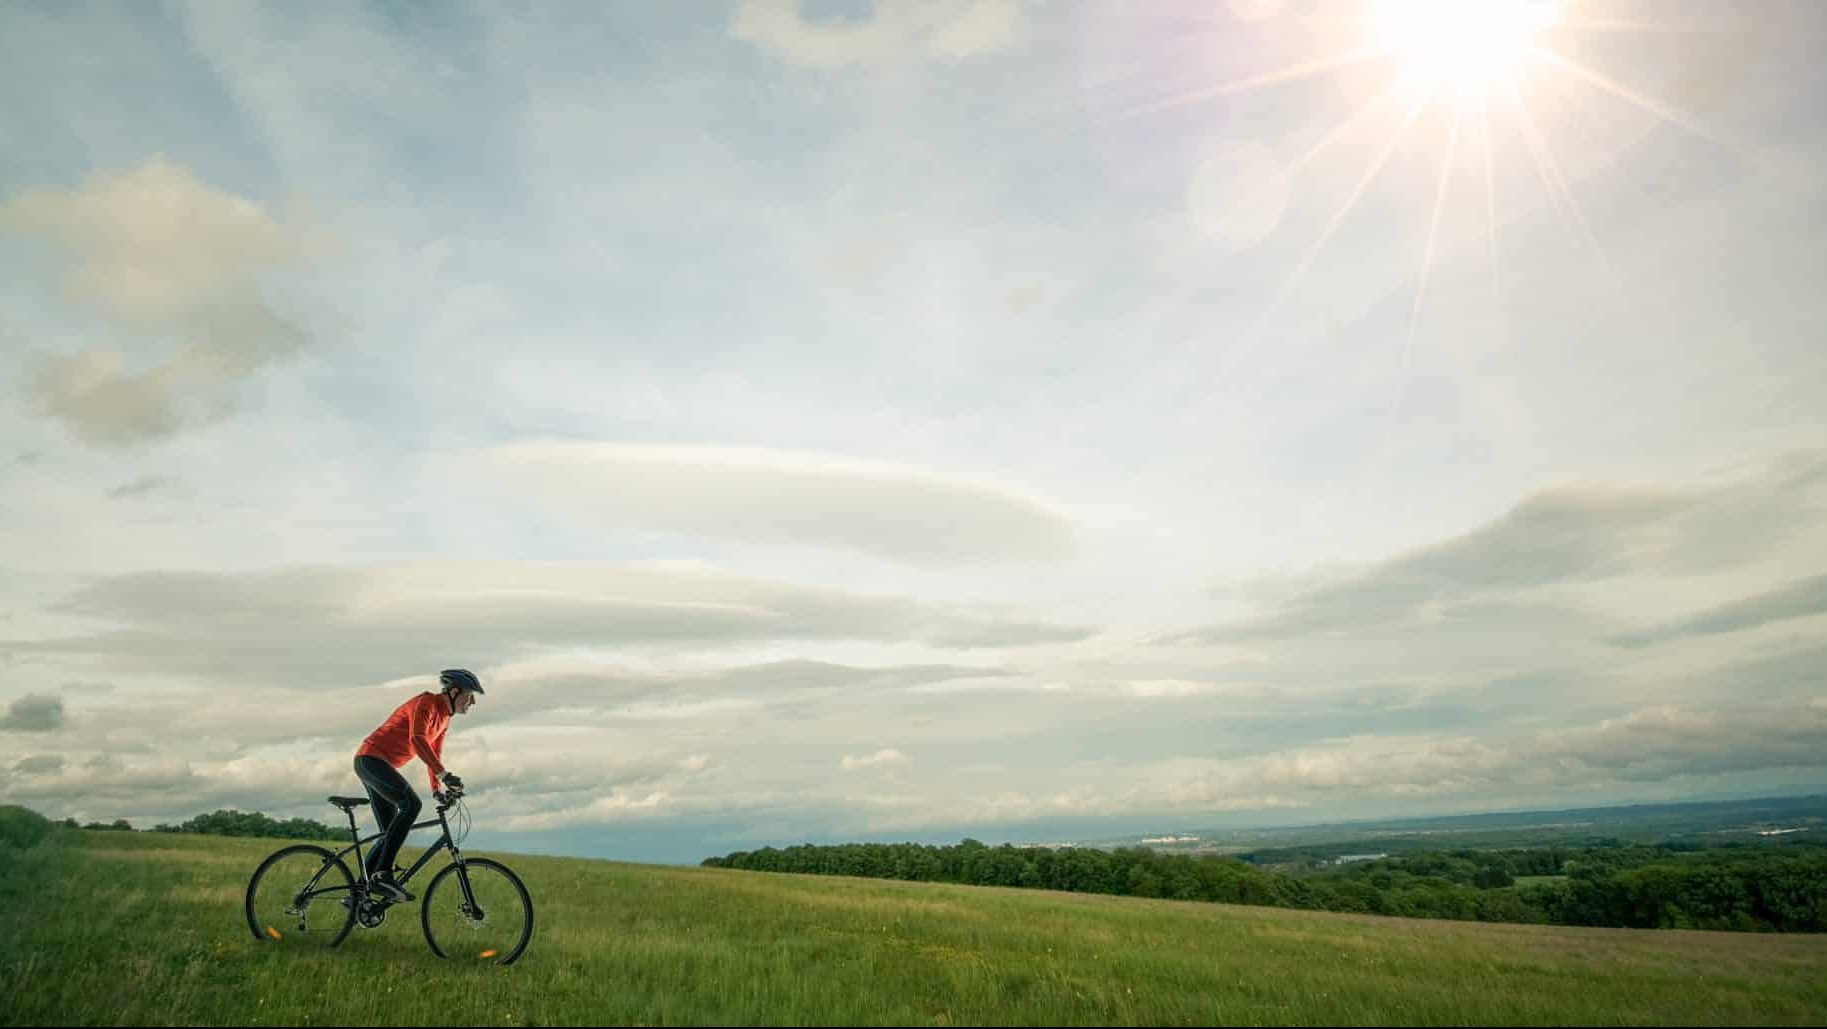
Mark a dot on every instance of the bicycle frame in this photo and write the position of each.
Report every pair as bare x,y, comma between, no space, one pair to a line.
430,852
311,891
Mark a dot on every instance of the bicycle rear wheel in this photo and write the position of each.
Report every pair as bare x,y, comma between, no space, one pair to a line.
301,896
477,911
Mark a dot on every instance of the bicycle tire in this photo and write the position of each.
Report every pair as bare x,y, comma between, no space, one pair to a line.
331,931
447,910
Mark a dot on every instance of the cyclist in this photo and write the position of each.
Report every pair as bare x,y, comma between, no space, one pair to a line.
415,729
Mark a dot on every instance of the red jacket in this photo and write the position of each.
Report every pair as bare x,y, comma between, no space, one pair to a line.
415,729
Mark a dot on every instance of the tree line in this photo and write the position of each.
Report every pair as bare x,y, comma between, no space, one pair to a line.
1780,888
229,822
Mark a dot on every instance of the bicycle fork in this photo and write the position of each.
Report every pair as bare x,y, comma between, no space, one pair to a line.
471,909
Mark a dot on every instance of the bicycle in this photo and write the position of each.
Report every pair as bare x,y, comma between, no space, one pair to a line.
483,909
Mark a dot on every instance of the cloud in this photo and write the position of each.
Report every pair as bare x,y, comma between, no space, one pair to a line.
1184,688
175,264
885,756
1661,741
349,625
257,717
1799,599
1558,535
946,29
167,788
344,625
89,688
1780,673
565,770
1564,535
110,785
568,774
38,764
777,497
597,693
1760,514
619,805
144,485
1001,682
606,708
33,712
1650,744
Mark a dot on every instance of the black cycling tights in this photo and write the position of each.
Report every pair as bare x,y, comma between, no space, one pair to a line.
396,807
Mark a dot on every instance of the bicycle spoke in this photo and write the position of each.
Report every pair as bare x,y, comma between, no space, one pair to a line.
296,898
491,921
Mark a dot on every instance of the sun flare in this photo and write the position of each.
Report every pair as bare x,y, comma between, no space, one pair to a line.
1463,46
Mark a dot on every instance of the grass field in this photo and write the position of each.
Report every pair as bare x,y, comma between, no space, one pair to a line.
141,928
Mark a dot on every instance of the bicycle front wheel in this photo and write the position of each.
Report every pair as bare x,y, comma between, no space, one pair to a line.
477,911
301,897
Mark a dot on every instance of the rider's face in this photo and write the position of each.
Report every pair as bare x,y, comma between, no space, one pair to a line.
465,700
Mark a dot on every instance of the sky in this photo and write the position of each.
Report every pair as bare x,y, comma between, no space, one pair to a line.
907,420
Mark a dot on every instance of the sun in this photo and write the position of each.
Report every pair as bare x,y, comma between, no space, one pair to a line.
1461,46
1494,67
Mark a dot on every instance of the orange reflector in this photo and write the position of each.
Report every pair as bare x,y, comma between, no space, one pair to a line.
489,953
274,933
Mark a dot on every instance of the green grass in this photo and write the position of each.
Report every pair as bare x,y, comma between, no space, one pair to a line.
140,928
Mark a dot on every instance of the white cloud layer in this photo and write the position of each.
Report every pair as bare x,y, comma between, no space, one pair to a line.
772,497
178,267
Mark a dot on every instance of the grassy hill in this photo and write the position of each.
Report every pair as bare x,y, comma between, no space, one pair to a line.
140,928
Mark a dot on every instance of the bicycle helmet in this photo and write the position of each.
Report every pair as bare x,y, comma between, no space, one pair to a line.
462,678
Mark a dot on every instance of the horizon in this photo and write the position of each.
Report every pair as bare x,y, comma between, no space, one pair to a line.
941,838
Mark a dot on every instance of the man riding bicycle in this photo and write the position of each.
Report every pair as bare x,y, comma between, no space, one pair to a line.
415,729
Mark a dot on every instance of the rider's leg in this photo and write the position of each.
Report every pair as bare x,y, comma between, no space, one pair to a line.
383,820
396,807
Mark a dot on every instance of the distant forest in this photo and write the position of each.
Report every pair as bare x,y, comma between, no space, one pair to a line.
1768,887
231,823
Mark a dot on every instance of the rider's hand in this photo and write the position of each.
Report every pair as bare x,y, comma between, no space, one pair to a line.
452,784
